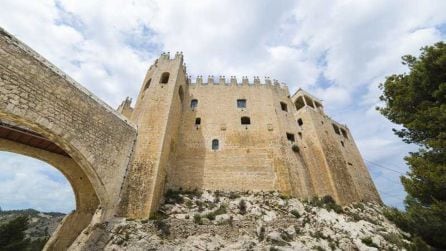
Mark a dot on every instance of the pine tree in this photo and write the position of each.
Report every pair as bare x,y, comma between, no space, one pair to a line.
417,101
12,236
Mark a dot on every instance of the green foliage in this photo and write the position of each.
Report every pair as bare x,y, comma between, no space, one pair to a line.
369,242
295,148
197,219
162,227
173,196
326,202
417,101
242,206
12,236
295,213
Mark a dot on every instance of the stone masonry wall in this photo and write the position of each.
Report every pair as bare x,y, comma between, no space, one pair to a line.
36,94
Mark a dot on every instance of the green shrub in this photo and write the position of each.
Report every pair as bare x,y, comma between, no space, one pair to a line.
394,238
295,148
197,219
162,227
173,196
369,242
295,213
242,207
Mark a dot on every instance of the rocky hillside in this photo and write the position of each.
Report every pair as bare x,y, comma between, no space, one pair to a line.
252,221
40,224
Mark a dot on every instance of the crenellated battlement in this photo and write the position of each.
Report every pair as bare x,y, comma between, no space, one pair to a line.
232,81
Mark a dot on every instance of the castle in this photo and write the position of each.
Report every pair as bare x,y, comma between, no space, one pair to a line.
226,135
220,135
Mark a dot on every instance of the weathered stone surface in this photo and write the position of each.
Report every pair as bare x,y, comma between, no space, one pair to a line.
315,229
98,140
121,163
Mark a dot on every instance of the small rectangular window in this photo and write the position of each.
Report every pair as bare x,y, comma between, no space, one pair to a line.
300,122
245,121
290,137
284,106
198,121
241,103
193,103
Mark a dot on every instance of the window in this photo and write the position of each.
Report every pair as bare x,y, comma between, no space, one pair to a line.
241,103
215,144
197,121
344,133
300,122
193,103
245,121
290,137
283,106
299,103
336,129
164,78
309,101
181,94
146,86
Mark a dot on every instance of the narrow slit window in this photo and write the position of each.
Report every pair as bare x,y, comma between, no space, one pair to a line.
181,93
147,85
300,122
245,121
344,133
198,121
215,144
193,103
241,103
164,78
284,106
336,129
290,137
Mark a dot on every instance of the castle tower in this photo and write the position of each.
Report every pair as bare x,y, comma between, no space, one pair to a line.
157,114
335,164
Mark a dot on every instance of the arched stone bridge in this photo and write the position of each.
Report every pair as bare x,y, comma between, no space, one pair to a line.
46,115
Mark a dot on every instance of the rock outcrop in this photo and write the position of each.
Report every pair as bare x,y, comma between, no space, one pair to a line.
250,221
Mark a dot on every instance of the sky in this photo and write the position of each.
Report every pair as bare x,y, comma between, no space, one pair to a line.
337,50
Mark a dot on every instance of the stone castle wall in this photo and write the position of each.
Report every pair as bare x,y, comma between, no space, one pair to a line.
257,156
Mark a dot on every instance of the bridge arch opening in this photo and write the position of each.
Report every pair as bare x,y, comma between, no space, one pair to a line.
20,139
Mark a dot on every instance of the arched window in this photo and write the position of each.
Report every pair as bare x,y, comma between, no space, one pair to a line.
309,101
193,103
215,144
284,106
146,86
164,78
181,93
299,103
245,121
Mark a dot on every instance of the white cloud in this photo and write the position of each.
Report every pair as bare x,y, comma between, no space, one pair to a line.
30,183
339,50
